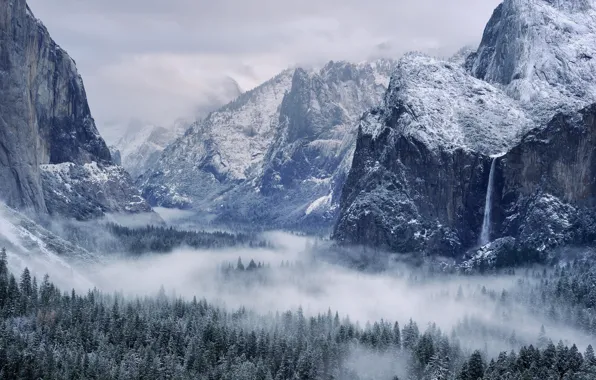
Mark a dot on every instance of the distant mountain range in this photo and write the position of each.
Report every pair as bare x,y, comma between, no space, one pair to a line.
141,146
423,154
277,155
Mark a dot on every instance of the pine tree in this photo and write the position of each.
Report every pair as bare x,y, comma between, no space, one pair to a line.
542,339
589,356
396,336
25,284
26,289
575,359
475,366
3,278
3,262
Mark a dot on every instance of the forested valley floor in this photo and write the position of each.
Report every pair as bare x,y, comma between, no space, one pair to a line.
46,333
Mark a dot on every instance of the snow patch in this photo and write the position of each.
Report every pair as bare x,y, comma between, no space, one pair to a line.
446,108
323,201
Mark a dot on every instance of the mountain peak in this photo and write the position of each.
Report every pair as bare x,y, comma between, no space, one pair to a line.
542,53
441,105
425,161
286,139
571,5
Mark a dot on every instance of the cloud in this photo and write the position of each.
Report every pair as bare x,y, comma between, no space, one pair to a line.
398,294
159,60
395,295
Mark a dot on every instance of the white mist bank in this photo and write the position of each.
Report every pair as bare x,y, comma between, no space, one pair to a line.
320,287
317,288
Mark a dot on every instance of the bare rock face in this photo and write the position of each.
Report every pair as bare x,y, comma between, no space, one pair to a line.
421,168
421,164
45,116
547,184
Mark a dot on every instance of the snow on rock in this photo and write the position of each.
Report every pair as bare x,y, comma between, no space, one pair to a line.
225,146
272,152
525,96
30,245
442,106
325,200
541,53
90,190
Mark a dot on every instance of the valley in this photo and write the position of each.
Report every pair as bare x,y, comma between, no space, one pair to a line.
406,216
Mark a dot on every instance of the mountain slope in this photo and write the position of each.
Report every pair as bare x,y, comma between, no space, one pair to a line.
215,152
274,146
141,147
423,160
30,245
541,53
45,116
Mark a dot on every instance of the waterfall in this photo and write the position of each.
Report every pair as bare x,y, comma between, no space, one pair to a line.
485,233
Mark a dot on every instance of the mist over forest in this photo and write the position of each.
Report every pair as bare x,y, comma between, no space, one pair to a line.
280,305
428,215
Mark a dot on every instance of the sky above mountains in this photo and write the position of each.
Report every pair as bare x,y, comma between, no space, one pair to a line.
156,60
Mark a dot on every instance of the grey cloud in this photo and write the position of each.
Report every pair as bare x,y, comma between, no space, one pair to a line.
155,59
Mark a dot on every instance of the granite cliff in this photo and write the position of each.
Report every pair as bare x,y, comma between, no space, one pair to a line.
46,121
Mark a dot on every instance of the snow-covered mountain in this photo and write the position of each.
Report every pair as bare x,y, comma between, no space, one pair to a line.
46,125
542,53
446,108
142,145
273,154
30,245
423,162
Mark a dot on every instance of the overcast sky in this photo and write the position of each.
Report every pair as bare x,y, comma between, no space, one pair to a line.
158,60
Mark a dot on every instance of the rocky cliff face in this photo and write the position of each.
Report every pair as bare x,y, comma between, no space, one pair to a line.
541,53
45,115
422,162
218,152
90,190
421,165
277,154
547,184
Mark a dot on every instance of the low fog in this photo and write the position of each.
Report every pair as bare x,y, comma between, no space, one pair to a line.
299,278
317,286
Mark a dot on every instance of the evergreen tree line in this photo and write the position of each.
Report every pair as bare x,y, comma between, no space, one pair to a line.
257,273
109,238
559,295
230,268
47,334
565,294
165,239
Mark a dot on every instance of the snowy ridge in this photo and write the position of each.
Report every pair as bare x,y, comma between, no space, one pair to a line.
89,190
250,128
235,137
287,136
541,53
441,105
536,58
